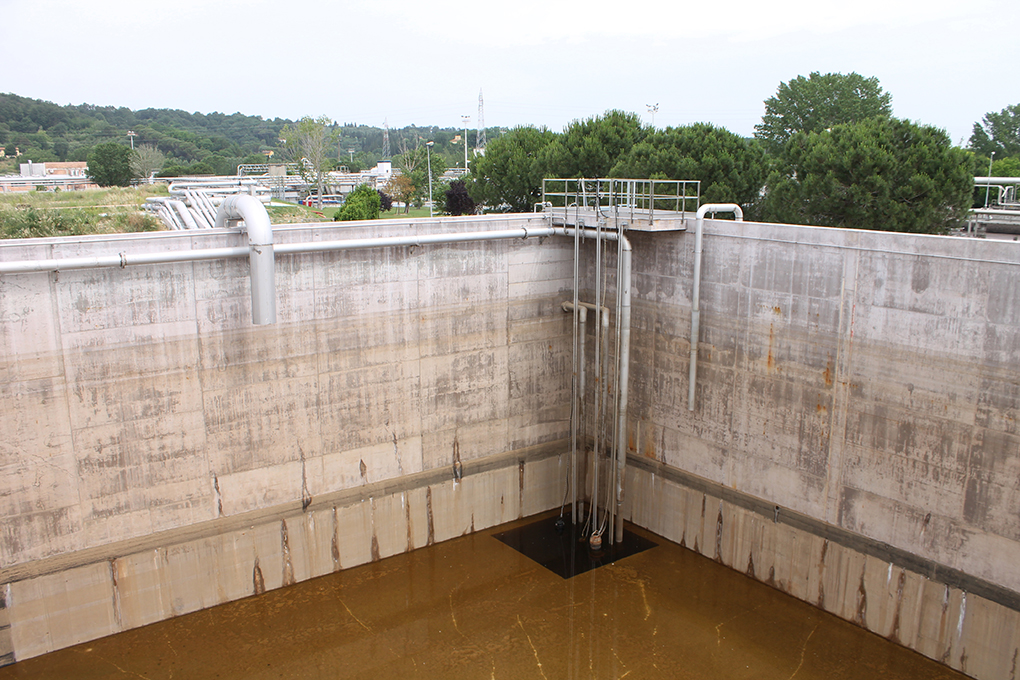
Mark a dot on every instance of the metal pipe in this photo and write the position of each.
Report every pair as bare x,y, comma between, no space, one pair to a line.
580,317
696,295
623,323
981,181
260,244
186,217
575,407
124,259
167,216
118,260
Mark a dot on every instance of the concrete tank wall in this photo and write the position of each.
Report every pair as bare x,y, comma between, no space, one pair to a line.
154,437
854,441
855,431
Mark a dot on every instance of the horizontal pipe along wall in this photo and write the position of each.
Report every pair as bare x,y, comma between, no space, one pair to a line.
854,440
161,454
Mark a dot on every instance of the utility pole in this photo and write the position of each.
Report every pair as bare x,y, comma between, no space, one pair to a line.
466,119
428,152
131,135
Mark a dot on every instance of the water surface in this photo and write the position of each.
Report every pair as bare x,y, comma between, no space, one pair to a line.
474,607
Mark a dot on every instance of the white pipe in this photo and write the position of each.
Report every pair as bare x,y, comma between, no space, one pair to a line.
696,296
124,259
119,260
168,217
186,217
580,331
208,207
623,323
205,217
424,239
260,243
996,180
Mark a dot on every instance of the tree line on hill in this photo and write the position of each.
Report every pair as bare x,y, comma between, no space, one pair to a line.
828,152
173,142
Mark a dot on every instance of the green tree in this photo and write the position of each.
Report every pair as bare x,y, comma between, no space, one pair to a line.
61,147
414,163
883,174
310,143
402,188
590,148
999,133
731,169
509,176
819,102
146,161
110,164
361,204
1005,167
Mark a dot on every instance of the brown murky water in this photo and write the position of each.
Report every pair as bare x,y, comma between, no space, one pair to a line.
476,608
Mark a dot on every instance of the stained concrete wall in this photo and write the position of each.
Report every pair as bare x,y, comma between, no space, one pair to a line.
867,381
145,415
862,384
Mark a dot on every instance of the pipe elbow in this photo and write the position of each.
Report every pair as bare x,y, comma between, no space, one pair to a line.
251,210
738,213
582,311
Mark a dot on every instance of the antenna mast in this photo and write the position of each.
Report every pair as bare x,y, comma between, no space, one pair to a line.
386,139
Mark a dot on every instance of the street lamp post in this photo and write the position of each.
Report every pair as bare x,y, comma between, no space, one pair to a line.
428,155
988,184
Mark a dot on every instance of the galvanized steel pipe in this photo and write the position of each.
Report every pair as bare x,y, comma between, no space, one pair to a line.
696,295
260,255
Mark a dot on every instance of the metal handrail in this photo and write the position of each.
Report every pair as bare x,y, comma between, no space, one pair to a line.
629,198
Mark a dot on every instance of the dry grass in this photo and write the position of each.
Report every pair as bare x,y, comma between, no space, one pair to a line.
36,214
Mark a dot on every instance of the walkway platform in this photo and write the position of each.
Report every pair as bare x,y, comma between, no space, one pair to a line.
631,204
631,219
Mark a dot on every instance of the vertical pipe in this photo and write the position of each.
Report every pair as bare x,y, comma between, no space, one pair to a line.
260,255
623,322
599,373
696,294
578,378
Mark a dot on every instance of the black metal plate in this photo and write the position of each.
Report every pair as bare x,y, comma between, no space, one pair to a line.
564,553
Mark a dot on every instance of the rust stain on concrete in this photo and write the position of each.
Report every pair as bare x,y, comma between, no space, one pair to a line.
258,581
771,361
428,513
288,566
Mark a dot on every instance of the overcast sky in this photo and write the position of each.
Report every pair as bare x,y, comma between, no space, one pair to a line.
542,62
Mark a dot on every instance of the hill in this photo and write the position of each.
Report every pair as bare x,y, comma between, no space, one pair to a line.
193,143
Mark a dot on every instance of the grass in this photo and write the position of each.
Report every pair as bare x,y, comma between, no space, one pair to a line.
398,213
296,214
35,214
289,213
